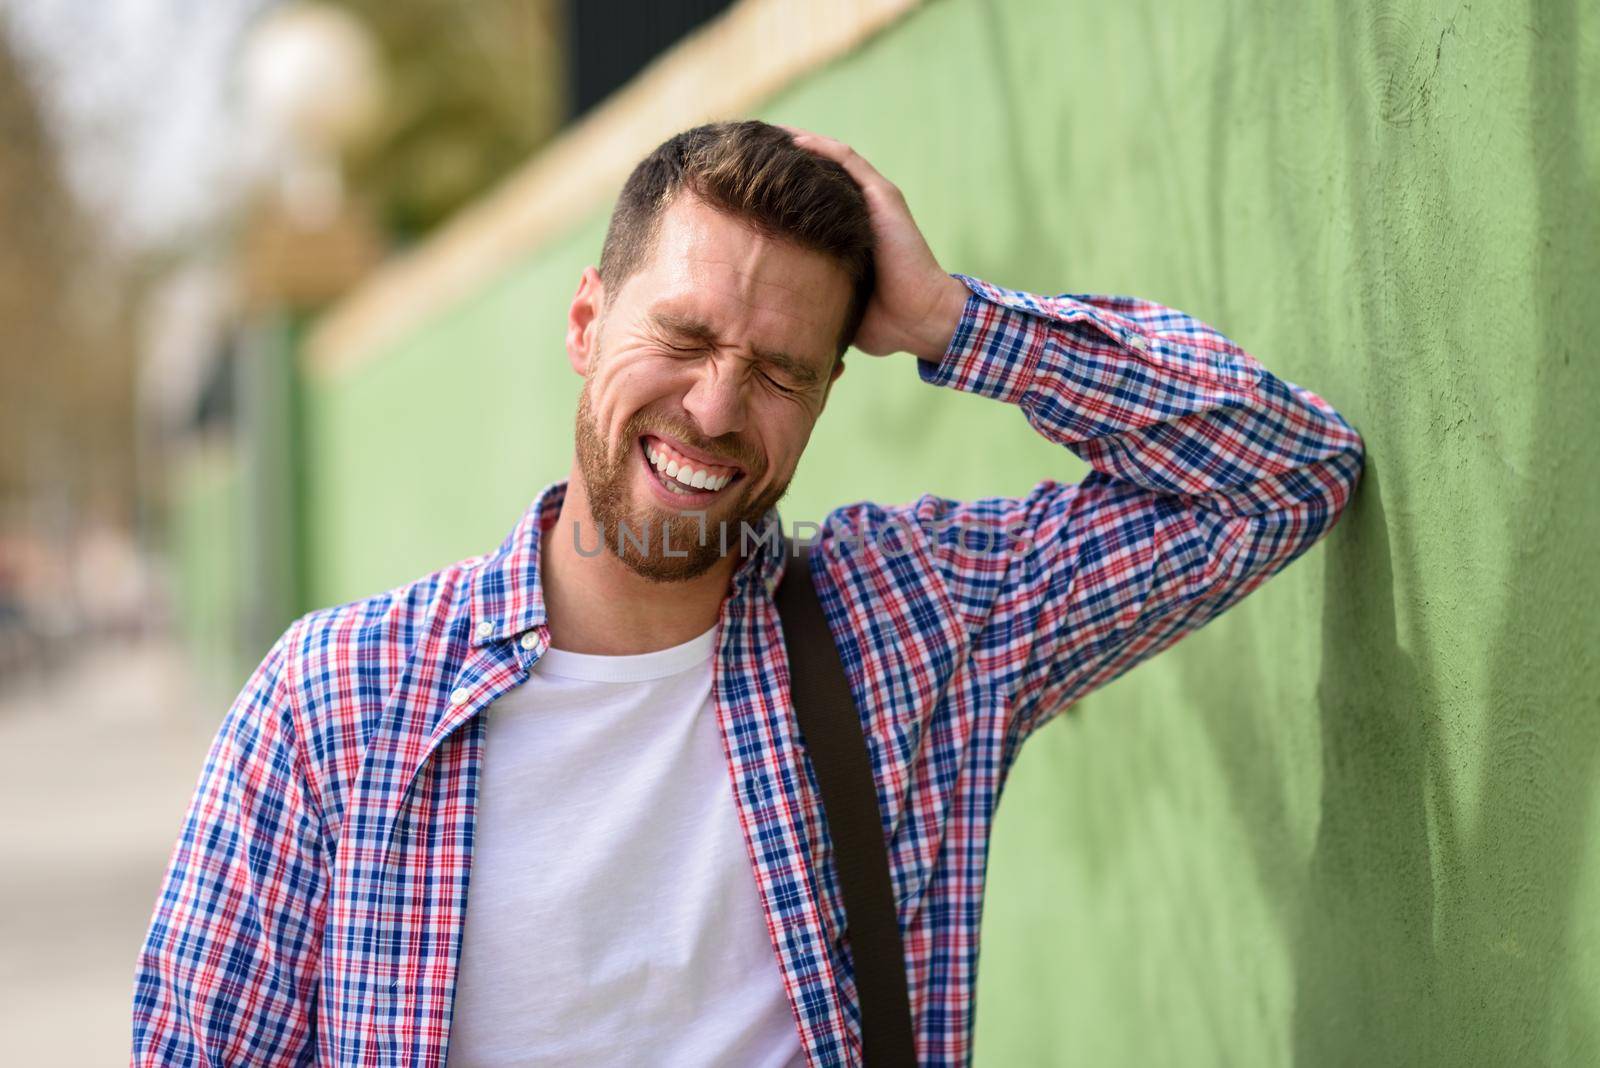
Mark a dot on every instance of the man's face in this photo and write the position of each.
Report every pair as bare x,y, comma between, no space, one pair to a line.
715,356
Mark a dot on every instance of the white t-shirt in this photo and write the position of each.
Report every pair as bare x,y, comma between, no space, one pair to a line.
612,914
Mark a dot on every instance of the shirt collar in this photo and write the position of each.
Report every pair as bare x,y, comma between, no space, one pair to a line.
507,597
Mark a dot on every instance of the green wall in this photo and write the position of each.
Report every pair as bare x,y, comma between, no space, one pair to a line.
1353,820
205,535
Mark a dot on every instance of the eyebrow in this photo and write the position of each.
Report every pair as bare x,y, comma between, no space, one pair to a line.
696,330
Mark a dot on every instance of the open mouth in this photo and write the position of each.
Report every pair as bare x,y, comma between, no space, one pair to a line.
683,479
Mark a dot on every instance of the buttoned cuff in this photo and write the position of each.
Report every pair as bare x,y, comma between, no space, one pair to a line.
995,347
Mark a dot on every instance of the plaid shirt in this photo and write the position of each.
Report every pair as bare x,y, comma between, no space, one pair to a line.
314,901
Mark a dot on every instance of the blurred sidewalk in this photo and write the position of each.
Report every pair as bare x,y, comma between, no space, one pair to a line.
97,764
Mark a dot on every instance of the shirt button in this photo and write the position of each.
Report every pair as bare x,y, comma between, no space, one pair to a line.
485,628
459,697
1138,342
528,640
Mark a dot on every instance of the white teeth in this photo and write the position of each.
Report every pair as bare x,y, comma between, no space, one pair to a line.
683,474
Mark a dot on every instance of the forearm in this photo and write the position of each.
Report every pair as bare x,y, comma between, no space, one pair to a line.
1159,402
1148,395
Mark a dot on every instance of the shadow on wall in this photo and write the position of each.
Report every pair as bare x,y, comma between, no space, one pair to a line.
1363,929
1444,899
1442,909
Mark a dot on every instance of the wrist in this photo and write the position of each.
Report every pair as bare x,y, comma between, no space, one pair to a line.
938,325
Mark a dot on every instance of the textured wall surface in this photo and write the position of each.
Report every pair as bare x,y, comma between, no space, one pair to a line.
1353,821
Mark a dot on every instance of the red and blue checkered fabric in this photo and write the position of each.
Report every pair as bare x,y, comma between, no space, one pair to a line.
312,910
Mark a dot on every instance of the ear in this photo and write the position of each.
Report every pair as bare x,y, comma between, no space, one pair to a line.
583,321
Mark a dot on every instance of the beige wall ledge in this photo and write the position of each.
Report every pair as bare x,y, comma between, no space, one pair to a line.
708,76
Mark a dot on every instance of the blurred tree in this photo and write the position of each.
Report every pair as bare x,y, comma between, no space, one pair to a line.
66,357
474,90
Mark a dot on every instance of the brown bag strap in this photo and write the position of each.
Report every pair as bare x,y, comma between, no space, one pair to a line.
831,729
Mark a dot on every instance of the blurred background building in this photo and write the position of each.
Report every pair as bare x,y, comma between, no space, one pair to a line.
182,192
281,293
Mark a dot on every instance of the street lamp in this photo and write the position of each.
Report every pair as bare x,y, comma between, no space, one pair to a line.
313,89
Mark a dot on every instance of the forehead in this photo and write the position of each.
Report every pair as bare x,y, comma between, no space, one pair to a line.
749,288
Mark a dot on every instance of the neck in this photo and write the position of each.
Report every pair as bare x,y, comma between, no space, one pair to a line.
598,605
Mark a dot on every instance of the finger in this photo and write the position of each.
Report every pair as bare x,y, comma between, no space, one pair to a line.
865,174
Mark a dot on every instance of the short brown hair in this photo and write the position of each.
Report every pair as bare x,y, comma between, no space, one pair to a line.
754,172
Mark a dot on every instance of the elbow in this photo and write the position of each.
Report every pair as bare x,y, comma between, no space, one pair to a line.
1305,505
1317,496
1330,471
1331,486
1344,469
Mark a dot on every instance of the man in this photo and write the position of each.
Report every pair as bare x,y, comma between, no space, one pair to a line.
549,805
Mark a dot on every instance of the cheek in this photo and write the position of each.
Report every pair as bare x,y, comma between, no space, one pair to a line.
625,388
785,432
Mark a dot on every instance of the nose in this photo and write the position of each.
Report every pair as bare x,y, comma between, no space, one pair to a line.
716,400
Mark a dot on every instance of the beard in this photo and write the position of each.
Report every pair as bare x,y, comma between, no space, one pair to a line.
608,476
